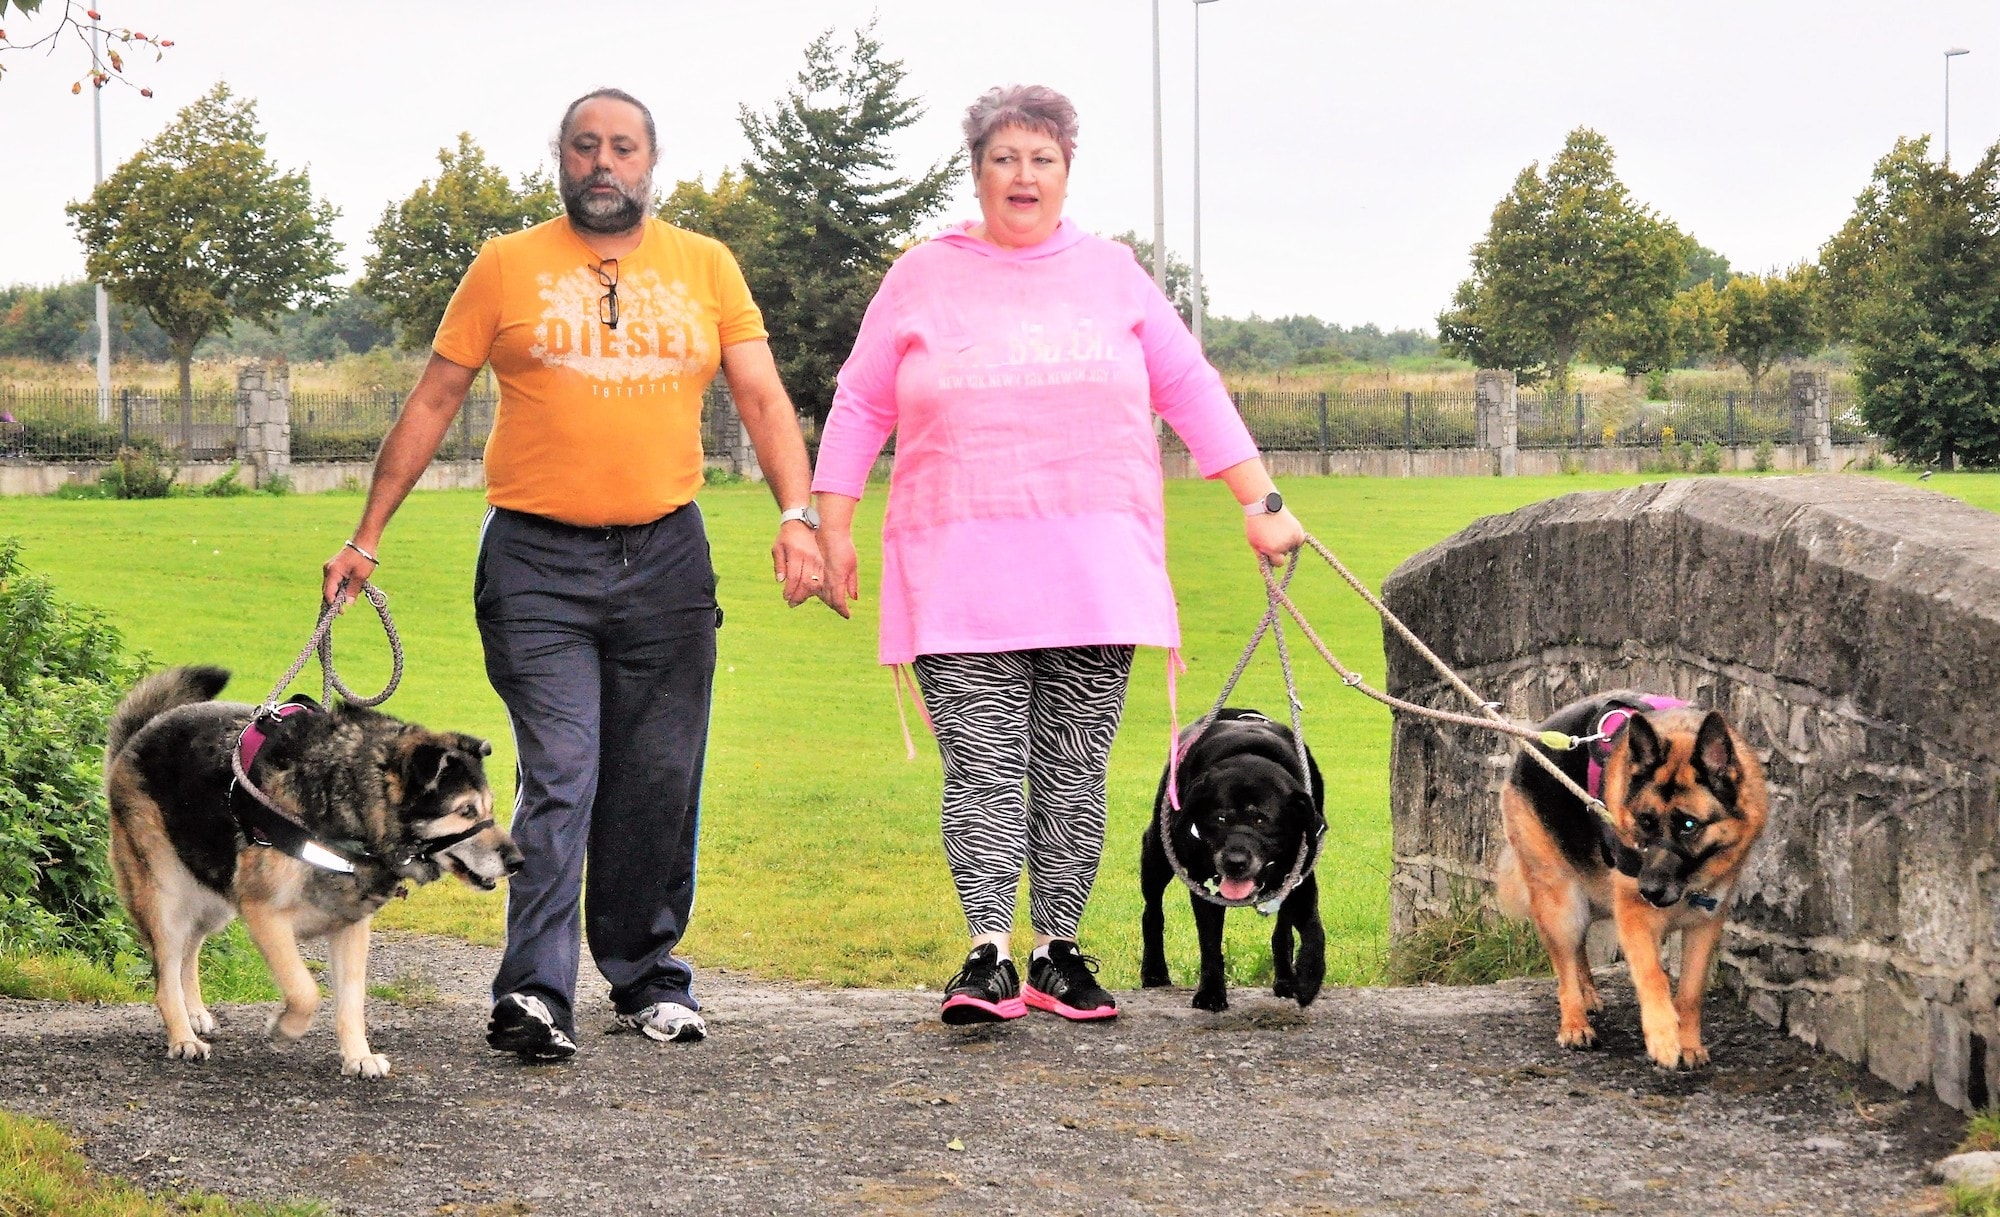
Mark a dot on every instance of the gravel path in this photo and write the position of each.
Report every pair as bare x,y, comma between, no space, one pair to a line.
1428,1101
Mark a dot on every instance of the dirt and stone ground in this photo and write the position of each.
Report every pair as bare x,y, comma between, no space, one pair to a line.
1429,1101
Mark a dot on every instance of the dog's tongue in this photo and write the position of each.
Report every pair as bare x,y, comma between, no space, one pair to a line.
1238,889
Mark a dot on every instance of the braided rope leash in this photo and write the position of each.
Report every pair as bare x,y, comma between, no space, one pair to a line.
320,644
1271,623
1489,719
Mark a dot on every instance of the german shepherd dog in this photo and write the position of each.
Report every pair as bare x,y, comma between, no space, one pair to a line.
1244,817
1687,801
372,788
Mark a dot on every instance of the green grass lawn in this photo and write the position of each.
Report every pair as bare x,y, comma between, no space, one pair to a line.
820,857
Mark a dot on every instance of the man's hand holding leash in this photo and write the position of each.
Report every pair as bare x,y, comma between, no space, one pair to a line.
350,566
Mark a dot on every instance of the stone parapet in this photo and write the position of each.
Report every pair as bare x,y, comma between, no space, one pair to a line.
1850,627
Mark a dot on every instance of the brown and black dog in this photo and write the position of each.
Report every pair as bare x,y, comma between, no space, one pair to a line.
396,801
1687,801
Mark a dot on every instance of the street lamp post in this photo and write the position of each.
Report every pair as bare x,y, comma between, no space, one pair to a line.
1198,309
1949,55
1159,172
103,301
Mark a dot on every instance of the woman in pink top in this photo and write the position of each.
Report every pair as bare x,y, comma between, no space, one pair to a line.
1019,360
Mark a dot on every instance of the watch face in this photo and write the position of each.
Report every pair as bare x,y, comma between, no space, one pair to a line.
1274,502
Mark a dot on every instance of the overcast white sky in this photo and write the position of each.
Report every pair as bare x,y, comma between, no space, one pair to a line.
1351,155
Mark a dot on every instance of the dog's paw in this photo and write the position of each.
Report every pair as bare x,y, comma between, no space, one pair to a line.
286,1026
1149,979
202,1021
1285,988
188,1050
1667,1052
1214,1003
1578,1037
373,1065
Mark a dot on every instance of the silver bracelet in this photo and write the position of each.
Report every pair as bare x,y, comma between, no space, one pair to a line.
349,544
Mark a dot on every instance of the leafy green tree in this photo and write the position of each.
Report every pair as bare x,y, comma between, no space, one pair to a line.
820,161
1917,273
732,213
200,227
59,323
1704,265
1569,257
1764,318
1902,182
424,244
1180,276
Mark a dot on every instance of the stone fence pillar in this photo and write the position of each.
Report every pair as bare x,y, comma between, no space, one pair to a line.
264,421
1812,419
1499,418
726,437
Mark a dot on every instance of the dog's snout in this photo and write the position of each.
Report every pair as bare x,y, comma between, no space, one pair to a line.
1237,859
514,860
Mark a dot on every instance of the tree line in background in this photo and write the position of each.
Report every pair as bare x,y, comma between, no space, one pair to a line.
208,248
1573,268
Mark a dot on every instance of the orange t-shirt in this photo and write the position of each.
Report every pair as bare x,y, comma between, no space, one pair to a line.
596,425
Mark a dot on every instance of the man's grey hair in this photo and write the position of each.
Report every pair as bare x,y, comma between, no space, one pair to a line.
1037,108
562,132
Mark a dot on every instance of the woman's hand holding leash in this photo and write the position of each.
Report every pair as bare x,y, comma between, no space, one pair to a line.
1275,535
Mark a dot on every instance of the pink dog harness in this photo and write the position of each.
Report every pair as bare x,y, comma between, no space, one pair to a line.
1609,726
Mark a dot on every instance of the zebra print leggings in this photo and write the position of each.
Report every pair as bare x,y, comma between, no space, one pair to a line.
1046,717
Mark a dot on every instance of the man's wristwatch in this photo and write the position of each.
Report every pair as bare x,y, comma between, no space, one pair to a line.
1270,504
804,515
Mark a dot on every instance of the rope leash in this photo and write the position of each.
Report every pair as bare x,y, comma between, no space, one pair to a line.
321,644
1273,624
1489,719
1276,591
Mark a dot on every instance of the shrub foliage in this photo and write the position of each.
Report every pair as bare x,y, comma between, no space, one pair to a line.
62,669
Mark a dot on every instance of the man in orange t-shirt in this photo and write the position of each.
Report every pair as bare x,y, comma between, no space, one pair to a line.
594,592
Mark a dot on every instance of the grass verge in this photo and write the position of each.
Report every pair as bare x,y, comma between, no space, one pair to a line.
820,857
42,1175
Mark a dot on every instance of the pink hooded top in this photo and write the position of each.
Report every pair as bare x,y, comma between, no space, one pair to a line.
1025,504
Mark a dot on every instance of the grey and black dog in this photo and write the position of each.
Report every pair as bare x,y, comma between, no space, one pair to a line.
1244,817
399,802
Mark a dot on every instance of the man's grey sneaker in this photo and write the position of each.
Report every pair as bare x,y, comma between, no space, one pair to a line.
1064,982
668,1022
986,990
521,1024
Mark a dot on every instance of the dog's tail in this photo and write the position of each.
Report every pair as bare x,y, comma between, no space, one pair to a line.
154,696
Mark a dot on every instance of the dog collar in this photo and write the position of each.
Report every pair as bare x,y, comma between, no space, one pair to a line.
1703,901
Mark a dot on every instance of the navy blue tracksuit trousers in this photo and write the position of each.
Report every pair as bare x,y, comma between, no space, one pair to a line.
601,642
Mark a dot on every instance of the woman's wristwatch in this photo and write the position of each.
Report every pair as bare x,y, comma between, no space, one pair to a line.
1270,504
804,515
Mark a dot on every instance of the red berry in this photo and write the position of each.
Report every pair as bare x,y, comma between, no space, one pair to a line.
77,87
145,92
92,14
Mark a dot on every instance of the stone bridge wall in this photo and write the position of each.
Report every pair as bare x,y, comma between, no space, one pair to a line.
1850,628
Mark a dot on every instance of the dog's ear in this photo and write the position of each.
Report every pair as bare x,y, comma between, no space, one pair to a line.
1715,758
424,765
474,745
1643,747
1299,808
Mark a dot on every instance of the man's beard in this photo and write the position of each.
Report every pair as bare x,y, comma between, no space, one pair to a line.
597,213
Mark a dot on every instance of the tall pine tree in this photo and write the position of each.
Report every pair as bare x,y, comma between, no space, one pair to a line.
820,165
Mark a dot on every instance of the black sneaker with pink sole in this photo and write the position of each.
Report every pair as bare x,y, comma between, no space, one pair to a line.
1064,982
986,990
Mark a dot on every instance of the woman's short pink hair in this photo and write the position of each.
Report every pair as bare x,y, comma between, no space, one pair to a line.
1037,108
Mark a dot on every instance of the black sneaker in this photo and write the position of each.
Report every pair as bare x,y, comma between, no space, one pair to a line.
1064,982
986,990
521,1024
